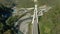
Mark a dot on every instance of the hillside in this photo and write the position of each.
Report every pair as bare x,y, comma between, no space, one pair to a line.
50,21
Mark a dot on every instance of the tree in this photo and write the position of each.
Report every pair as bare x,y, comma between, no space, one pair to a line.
5,13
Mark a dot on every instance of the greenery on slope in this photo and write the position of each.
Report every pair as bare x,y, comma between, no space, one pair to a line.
50,21
25,3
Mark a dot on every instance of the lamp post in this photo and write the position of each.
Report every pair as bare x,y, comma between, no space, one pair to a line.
35,19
